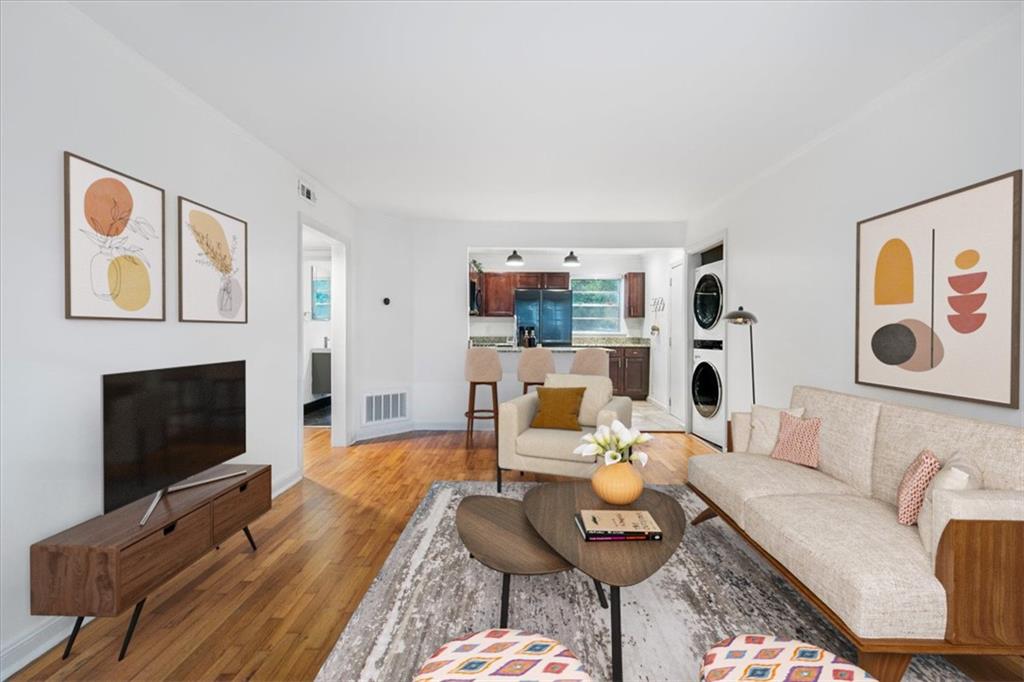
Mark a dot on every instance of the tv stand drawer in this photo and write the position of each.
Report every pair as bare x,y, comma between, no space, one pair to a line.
240,505
157,557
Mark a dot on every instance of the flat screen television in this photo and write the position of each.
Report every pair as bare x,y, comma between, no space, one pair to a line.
161,426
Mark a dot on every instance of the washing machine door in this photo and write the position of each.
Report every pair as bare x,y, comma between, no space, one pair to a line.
706,390
707,301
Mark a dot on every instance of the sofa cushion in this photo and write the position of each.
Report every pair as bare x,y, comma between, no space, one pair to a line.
732,479
552,444
847,433
764,428
903,432
597,395
850,551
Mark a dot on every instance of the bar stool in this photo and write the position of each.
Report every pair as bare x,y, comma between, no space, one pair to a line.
535,364
482,367
592,361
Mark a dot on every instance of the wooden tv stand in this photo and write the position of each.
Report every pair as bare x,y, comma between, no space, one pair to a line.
106,564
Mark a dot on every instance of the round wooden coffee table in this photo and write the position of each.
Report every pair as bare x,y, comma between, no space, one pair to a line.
550,509
497,533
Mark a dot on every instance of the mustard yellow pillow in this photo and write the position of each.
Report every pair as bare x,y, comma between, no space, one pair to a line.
559,408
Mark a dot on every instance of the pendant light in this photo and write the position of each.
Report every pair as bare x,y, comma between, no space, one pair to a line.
514,259
571,261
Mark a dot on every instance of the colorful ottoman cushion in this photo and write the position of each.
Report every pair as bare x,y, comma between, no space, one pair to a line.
749,658
503,655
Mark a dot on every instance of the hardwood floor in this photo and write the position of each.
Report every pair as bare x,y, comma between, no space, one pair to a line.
276,613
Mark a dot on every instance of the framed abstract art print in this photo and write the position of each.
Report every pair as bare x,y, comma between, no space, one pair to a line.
212,265
938,295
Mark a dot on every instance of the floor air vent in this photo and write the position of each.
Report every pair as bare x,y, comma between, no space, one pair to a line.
385,407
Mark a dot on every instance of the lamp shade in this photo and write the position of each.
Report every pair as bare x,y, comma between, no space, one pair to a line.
514,259
740,316
571,261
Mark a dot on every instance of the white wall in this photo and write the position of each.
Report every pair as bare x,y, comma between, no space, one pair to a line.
792,233
656,267
313,331
440,294
69,85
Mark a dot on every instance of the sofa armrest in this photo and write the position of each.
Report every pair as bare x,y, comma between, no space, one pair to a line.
979,559
740,431
949,505
619,407
514,417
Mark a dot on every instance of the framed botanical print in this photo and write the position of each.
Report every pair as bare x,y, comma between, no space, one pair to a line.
113,244
212,265
938,295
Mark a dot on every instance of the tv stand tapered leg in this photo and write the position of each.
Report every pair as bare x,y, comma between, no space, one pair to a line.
248,535
71,639
131,629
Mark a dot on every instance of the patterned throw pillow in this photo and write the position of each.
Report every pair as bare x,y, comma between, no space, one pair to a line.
910,494
798,440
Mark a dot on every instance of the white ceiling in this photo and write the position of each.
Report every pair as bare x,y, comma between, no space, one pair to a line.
540,111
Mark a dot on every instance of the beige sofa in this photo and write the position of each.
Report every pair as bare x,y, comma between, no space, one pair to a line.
550,451
833,531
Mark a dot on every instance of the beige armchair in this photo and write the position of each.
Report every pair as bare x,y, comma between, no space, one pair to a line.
550,451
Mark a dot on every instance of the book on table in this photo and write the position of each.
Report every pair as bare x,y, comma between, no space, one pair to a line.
616,524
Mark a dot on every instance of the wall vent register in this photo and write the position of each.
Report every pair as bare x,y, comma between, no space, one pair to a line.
385,407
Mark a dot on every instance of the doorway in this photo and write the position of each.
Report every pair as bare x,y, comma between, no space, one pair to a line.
678,366
322,366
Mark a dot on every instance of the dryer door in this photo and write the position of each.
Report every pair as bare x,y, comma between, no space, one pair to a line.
707,301
706,390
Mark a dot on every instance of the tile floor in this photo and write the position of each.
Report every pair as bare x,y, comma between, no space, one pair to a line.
649,417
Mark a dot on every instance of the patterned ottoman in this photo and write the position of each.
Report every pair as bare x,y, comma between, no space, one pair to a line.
763,657
502,655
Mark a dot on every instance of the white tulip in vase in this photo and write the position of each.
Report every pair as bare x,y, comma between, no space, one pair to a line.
618,481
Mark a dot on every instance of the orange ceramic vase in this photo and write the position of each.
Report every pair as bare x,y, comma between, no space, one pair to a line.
617,483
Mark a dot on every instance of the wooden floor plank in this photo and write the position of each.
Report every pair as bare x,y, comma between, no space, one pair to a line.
275,614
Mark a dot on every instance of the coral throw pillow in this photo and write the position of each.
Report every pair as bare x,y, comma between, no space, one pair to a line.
910,494
558,408
798,440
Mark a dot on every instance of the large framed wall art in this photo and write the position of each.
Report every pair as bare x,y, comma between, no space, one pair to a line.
938,295
212,265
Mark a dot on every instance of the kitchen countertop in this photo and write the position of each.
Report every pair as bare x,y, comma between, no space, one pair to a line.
501,344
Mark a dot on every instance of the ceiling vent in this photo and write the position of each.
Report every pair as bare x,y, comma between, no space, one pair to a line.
307,192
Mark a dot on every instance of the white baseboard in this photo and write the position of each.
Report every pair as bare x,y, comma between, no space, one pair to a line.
657,403
281,486
36,643
381,430
450,426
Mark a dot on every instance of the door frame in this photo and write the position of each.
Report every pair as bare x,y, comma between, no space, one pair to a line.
342,401
678,363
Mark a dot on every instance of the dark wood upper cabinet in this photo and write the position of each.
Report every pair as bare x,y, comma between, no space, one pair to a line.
635,294
499,294
499,289
529,280
556,280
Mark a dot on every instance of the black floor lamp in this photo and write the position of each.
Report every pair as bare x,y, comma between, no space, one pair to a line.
749,319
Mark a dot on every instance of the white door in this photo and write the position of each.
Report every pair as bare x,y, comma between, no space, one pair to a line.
679,382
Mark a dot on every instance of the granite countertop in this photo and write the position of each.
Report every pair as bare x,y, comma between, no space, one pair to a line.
501,343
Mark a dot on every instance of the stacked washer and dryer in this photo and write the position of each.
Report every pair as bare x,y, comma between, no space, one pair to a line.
707,383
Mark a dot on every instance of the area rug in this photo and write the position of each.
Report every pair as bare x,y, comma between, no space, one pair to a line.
430,591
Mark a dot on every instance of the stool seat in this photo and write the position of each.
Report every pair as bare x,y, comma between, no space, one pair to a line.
593,361
764,657
535,364
503,654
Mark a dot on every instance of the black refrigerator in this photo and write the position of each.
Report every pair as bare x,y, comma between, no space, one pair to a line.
549,312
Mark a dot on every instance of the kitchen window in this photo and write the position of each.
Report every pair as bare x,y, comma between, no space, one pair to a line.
597,306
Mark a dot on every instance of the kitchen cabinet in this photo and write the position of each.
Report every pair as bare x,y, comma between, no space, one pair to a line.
499,289
529,280
635,294
556,280
499,294
630,371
